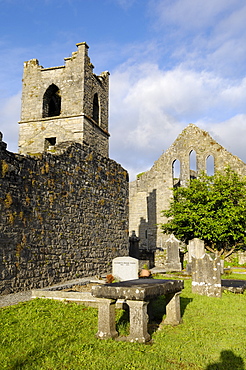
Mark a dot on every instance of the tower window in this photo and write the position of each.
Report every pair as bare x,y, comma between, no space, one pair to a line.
51,102
95,115
49,143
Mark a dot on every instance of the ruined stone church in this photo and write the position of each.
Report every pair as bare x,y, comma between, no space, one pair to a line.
151,193
64,204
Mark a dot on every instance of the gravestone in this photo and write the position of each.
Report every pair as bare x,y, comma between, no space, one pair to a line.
206,276
241,258
134,245
125,268
195,249
173,258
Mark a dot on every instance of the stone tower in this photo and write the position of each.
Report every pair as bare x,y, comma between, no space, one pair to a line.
66,103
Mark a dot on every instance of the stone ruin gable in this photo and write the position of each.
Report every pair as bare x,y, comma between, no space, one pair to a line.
62,216
150,194
64,103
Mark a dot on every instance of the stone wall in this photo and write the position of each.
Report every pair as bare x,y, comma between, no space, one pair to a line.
62,216
151,193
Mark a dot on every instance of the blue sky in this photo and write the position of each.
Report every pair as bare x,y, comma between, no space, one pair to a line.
171,63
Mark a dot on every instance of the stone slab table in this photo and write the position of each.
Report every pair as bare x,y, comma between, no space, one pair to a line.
136,294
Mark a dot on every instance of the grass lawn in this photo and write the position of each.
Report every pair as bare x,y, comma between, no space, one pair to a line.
234,276
46,334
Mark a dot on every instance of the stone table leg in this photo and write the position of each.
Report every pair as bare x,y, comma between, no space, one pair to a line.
106,319
138,321
173,315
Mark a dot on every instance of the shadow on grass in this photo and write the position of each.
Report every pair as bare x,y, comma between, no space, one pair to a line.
156,311
123,322
38,354
184,301
228,361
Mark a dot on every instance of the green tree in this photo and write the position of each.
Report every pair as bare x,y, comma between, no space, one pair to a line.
212,208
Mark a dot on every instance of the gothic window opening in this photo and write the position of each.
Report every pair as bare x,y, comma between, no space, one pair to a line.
95,115
193,168
52,102
176,173
210,165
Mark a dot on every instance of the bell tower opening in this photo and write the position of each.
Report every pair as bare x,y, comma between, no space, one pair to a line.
96,108
51,102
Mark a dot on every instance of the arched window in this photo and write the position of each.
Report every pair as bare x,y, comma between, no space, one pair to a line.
95,115
176,173
193,169
210,165
51,102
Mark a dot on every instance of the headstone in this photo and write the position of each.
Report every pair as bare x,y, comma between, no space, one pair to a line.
195,249
173,259
241,258
125,268
134,245
206,276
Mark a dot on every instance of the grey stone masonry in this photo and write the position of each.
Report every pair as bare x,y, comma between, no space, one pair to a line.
151,192
137,294
173,260
106,319
66,103
138,321
62,216
206,276
173,314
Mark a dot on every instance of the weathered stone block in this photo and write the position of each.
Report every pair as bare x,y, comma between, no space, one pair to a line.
206,276
173,260
61,220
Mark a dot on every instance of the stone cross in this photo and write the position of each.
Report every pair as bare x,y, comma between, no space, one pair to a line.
134,245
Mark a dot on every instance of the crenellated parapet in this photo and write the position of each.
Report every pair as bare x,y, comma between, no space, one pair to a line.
64,103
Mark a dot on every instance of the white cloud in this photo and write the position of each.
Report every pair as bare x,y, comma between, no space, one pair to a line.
9,117
203,35
231,134
193,71
193,15
150,107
